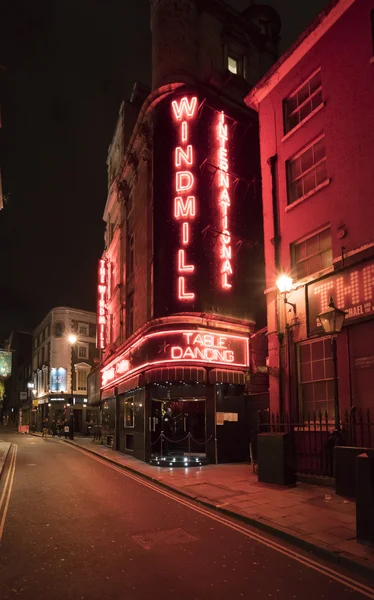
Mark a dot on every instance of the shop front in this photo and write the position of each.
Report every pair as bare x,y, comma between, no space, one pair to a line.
352,290
178,394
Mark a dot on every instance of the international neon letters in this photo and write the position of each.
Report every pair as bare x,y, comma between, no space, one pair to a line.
224,201
184,111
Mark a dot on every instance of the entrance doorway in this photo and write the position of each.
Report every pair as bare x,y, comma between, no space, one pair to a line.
182,423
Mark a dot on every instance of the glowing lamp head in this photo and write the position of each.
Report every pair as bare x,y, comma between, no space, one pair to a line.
72,338
284,284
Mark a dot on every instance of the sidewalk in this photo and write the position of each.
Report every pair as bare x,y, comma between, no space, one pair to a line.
4,449
310,516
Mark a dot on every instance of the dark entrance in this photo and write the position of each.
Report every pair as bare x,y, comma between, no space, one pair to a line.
183,424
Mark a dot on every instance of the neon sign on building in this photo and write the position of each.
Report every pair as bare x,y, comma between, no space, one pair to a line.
225,256
184,209
102,288
180,346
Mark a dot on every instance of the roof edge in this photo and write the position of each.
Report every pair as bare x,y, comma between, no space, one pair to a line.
310,36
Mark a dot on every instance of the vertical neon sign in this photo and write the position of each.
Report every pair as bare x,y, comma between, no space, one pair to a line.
224,202
184,112
101,304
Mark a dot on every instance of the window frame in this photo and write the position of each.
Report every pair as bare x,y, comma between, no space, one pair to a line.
86,327
84,345
305,238
330,403
130,330
286,129
293,159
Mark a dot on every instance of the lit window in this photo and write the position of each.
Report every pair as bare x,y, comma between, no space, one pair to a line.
83,329
82,350
312,254
302,102
307,170
316,379
233,65
129,412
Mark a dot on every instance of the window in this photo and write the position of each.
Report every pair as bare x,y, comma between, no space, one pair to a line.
83,329
81,375
35,342
46,354
130,255
130,315
59,329
316,378
307,170
302,102
40,357
129,412
233,65
82,350
312,254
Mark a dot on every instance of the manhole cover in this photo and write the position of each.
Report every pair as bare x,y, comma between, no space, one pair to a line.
165,537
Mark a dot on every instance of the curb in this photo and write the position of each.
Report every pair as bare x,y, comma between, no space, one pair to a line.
342,559
4,459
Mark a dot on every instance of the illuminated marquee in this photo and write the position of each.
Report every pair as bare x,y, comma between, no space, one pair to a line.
351,290
224,203
101,304
184,208
178,346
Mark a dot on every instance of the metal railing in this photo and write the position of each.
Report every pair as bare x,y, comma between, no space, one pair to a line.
314,437
165,443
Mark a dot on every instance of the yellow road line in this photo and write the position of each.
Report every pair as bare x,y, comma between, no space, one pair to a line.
7,491
308,562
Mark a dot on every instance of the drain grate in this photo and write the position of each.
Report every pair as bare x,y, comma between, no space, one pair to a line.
164,537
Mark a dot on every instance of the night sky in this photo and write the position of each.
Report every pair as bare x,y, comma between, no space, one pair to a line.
69,64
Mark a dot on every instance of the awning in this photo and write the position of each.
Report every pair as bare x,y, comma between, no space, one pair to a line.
227,376
109,393
130,384
186,374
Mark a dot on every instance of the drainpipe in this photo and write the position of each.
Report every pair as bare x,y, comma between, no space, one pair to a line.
272,162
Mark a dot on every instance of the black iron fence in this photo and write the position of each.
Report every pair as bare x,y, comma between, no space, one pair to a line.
314,437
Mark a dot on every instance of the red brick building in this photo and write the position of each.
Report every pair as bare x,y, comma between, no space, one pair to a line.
316,111
181,278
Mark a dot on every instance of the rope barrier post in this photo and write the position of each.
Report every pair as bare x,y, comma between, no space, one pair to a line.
162,437
189,444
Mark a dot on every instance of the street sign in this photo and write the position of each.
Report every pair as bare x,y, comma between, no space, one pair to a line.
23,395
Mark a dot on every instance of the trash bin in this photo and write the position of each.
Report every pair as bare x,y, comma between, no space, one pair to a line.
365,498
275,458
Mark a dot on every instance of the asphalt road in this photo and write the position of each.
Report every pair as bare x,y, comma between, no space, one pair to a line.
77,528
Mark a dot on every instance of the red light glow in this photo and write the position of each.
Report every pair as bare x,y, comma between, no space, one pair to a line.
101,304
184,206
225,254
179,346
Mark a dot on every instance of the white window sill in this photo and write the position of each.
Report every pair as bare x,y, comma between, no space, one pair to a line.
372,60
308,195
310,116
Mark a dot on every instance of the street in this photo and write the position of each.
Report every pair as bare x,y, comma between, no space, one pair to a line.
73,526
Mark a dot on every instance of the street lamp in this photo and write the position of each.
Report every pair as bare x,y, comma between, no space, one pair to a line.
332,322
284,285
72,338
